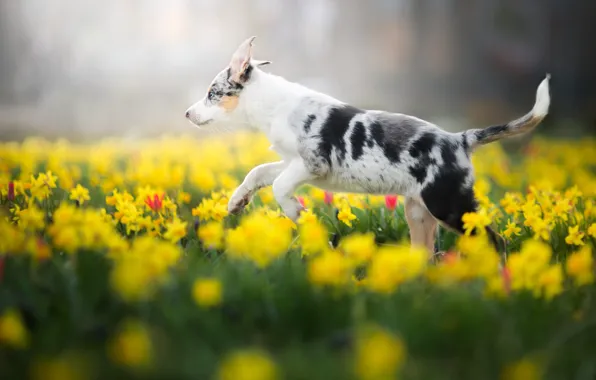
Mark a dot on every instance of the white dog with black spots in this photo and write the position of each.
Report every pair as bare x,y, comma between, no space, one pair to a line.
329,144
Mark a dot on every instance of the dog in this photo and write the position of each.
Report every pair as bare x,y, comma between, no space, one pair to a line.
337,147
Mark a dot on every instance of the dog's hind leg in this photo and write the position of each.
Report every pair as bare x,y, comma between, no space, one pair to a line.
423,226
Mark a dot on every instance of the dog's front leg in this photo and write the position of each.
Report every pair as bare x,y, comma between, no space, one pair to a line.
288,181
260,176
423,226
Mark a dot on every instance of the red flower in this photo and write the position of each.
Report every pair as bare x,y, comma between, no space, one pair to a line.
11,191
391,202
301,200
450,257
156,203
506,274
328,197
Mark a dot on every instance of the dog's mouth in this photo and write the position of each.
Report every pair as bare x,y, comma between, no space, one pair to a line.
202,122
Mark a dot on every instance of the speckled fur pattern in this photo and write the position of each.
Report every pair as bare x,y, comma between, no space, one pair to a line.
338,147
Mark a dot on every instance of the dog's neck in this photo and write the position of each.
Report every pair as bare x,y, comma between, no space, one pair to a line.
269,98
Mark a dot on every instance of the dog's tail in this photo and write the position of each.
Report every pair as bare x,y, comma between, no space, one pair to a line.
475,137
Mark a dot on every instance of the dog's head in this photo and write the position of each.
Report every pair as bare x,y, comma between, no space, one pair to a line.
221,101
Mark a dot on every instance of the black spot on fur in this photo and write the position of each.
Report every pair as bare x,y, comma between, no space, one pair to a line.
464,143
333,130
448,153
391,149
245,76
357,139
420,150
491,133
377,134
308,122
370,142
447,199
423,145
418,171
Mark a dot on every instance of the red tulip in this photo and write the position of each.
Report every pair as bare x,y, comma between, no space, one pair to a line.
328,197
391,202
11,194
156,203
301,200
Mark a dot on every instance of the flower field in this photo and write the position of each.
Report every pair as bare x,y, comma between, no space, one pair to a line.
119,260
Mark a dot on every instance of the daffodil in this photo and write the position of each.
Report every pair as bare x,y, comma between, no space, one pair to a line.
580,266
574,236
345,216
79,194
511,229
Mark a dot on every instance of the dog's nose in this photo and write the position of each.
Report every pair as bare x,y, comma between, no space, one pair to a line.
187,114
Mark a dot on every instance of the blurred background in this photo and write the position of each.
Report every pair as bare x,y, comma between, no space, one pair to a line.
89,69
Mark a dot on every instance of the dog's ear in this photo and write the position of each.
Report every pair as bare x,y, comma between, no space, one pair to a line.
241,60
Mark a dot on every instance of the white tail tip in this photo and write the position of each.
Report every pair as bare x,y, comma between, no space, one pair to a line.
542,98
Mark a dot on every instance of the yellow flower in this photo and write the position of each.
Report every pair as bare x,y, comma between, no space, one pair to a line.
574,237
345,216
183,197
580,266
175,230
392,266
511,203
476,221
330,268
266,195
307,216
207,292
524,369
512,229
562,208
30,219
314,237
131,280
551,281
379,354
250,364
12,330
592,230
210,209
541,228
211,235
42,185
79,194
480,258
260,238
131,345
527,266
359,247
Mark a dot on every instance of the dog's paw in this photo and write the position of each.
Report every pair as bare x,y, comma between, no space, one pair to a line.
237,203
293,210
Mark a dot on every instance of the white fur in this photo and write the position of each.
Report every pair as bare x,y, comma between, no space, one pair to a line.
542,98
